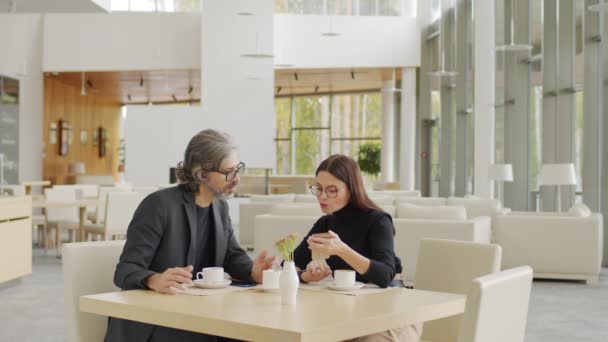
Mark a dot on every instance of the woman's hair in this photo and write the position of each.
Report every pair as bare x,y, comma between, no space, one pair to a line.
205,152
347,170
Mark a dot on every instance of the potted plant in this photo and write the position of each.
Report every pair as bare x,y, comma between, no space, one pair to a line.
368,158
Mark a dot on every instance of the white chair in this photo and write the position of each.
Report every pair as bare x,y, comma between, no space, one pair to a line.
451,266
270,228
145,190
62,218
410,232
119,211
88,190
88,268
100,211
297,209
497,307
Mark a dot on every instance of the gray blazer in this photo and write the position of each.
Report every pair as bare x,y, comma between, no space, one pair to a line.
162,235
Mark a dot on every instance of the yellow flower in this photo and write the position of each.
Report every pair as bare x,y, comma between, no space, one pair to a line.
287,245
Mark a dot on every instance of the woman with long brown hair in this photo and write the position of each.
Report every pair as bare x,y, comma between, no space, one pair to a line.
355,234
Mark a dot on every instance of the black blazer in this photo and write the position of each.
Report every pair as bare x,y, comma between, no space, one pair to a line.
161,235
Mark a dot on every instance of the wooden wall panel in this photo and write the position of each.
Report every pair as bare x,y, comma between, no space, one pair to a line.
63,101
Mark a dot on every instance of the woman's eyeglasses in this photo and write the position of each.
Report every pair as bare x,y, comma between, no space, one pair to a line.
230,175
330,191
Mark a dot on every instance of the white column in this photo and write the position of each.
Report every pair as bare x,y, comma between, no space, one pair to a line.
407,160
483,108
387,158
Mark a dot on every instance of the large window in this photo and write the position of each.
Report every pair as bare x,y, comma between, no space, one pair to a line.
345,7
156,5
310,128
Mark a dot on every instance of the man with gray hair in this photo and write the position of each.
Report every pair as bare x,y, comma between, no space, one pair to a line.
178,231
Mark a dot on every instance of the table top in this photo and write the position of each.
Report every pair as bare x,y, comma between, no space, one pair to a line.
36,183
259,316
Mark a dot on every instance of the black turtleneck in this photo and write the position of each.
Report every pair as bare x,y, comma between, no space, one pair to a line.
369,232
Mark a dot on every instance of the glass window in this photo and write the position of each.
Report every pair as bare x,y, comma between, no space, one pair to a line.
187,5
283,135
323,125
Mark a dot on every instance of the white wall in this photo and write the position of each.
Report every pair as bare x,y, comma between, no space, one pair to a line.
21,44
363,42
121,41
245,107
156,137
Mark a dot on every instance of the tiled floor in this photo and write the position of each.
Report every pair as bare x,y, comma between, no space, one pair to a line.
560,311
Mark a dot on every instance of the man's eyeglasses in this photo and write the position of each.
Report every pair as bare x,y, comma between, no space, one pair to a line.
230,175
331,191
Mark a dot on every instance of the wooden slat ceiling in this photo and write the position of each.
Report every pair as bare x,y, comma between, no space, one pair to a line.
166,86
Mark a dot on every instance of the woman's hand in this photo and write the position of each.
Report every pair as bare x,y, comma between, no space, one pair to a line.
327,244
315,271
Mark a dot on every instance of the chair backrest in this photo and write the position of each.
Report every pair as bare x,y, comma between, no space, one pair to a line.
68,214
88,268
145,190
451,266
120,207
297,209
497,307
88,190
103,198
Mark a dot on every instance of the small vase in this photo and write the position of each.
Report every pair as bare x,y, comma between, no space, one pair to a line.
289,283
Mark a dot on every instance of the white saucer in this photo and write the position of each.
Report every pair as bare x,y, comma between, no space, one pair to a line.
215,285
333,286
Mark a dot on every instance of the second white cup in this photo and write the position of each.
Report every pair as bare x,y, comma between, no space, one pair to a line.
344,278
211,274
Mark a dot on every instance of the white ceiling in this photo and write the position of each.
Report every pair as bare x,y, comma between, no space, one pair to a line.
53,6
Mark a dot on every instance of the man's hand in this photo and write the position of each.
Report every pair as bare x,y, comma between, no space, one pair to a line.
171,280
260,264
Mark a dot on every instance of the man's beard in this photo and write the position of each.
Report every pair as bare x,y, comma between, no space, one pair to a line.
220,193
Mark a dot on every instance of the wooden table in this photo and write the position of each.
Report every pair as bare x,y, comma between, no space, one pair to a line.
80,204
259,316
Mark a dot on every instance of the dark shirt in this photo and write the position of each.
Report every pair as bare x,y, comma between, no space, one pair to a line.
369,232
205,244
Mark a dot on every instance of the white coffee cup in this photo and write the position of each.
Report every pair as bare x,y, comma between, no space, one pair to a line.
211,275
270,279
344,278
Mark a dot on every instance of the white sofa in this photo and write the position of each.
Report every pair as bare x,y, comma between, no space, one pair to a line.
475,206
270,228
555,245
262,204
409,233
